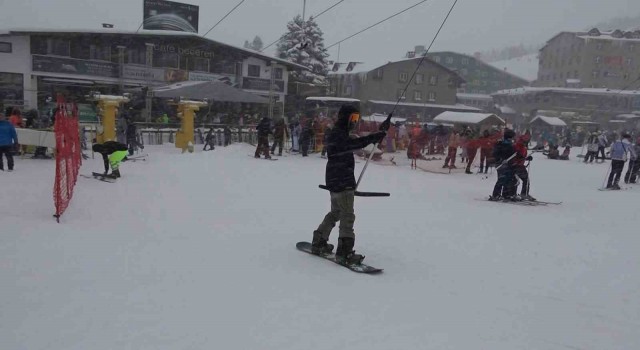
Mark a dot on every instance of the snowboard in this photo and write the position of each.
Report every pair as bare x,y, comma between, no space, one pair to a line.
262,158
360,268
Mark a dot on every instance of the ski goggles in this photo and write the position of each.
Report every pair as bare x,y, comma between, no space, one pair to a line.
354,117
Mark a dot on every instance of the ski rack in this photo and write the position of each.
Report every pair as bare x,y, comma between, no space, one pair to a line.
363,194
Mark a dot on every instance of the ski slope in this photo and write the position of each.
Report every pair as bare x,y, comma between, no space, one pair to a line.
197,251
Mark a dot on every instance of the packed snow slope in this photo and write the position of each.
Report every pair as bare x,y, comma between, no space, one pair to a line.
197,251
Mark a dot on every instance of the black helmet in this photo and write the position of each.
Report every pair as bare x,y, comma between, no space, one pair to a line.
509,134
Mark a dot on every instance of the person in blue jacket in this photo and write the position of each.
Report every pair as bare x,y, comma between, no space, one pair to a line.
8,142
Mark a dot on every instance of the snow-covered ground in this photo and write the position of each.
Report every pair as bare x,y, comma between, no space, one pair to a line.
197,251
525,67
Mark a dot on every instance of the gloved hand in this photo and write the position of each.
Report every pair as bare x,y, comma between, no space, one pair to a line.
386,124
378,136
529,158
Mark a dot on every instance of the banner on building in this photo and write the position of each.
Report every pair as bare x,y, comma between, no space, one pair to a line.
143,73
613,61
169,15
51,64
262,84
197,76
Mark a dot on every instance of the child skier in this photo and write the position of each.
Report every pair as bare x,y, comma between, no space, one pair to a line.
113,153
503,154
341,183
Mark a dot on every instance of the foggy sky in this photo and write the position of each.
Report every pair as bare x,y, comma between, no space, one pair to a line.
474,25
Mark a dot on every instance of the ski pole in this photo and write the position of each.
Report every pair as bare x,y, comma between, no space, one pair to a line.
383,127
529,176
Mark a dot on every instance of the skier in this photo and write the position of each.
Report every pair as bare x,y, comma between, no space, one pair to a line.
454,141
472,149
131,134
209,140
602,144
486,146
634,164
502,151
341,182
325,140
227,135
264,129
618,151
519,169
112,154
279,135
8,140
306,134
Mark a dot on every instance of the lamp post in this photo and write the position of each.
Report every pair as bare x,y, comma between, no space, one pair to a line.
149,64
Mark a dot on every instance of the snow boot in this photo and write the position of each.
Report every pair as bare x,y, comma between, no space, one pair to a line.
493,198
115,173
468,171
319,245
345,252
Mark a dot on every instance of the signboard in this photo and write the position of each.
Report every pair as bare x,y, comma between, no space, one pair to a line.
196,76
143,73
262,84
613,60
172,75
65,65
169,15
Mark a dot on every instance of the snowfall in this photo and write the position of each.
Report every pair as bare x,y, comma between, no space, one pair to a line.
197,251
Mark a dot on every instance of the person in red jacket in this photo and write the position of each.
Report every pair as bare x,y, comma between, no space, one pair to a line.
520,169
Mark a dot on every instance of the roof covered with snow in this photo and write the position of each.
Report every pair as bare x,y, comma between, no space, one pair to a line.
379,118
365,67
330,98
143,32
627,116
468,118
426,105
592,91
525,67
464,95
553,121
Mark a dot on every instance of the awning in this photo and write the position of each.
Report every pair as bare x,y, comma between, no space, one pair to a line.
468,118
211,90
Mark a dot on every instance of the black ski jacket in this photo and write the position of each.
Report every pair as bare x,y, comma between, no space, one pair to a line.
341,164
502,151
264,127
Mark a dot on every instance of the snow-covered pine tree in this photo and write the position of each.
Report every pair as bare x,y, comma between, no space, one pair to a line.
303,44
257,43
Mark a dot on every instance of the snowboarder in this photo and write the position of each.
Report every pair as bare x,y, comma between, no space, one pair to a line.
619,151
502,152
264,129
592,148
279,135
341,183
113,153
209,140
519,169
8,141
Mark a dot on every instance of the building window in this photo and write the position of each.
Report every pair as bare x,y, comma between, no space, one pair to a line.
436,59
5,47
279,73
597,59
347,90
576,74
199,64
629,61
137,56
595,74
58,47
417,95
403,77
166,59
599,46
465,61
432,96
400,94
254,70
630,47
433,80
100,53
378,74
450,60
419,79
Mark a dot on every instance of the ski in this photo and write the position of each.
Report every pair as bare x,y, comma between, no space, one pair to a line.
101,178
360,268
521,203
611,189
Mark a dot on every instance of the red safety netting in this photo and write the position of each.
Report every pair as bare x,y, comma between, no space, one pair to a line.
68,154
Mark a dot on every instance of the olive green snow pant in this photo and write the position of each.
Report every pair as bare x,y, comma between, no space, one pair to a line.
341,210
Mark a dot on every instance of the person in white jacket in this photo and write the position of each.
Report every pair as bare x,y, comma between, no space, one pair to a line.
620,151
